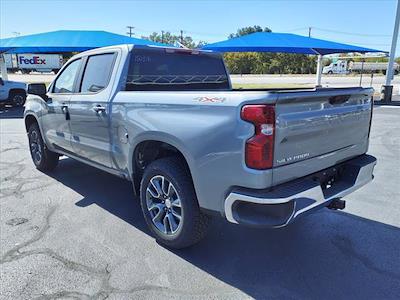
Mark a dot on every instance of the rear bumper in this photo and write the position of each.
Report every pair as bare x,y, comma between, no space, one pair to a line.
284,203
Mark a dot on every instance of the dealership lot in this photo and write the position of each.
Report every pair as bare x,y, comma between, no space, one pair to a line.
269,80
78,233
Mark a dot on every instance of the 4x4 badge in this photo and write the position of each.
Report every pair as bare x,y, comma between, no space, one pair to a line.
210,99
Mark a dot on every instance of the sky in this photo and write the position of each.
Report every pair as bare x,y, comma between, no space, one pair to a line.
366,23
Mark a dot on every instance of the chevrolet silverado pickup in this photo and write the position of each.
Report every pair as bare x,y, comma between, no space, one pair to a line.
168,120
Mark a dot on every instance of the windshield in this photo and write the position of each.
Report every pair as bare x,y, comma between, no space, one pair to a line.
163,70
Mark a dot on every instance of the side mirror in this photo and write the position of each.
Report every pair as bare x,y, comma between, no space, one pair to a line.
1,81
37,89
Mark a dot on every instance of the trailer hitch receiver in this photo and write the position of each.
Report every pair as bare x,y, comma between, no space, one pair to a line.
337,204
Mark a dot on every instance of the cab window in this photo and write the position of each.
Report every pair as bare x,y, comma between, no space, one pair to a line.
97,73
65,82
174,70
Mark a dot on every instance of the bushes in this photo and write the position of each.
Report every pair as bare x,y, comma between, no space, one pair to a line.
270,63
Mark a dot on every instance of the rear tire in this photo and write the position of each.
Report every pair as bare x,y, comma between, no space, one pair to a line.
175,224
43,158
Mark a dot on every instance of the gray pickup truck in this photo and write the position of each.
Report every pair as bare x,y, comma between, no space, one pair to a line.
169,121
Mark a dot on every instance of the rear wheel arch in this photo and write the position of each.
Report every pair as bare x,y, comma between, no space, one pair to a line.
16,91
148,151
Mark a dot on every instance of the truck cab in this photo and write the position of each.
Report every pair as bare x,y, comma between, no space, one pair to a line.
338,67
12,92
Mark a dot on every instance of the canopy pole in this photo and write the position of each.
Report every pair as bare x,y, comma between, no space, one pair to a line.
387,89
3,67
319,71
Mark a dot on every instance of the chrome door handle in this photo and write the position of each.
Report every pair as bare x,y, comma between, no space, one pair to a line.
99,109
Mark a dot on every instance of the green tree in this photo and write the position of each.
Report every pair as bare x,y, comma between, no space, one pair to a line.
248,30
241,62
171,39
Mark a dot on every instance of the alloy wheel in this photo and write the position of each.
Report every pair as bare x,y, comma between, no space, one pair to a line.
36,148
164,205
18,100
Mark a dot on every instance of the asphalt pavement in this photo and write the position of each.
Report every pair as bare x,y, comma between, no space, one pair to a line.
78,233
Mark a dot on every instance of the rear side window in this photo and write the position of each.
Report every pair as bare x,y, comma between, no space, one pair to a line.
164,70
97,73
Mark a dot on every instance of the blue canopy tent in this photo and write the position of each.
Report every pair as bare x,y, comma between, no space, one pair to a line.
285,42
66,41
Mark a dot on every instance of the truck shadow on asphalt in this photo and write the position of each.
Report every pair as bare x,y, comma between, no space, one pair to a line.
326,255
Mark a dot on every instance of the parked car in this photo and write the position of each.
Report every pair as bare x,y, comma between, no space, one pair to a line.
12,92
169,121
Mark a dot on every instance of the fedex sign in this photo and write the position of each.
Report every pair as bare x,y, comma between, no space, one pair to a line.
43,62
35,60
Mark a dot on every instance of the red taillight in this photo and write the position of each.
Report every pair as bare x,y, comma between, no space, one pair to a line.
259,151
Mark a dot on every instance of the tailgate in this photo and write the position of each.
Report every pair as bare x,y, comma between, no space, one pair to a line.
318,129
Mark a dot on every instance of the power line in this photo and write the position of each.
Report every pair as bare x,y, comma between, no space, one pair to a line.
295,29
352,33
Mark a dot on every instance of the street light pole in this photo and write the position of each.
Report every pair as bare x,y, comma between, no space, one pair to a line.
387,89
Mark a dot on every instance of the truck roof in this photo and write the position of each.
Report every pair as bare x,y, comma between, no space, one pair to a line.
129,47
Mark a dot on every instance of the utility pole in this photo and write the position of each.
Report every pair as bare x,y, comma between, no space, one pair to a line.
387,89
162,36
309,31
319,71
181,36
130,33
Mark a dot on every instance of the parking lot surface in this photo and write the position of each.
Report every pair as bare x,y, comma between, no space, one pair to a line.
78,233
